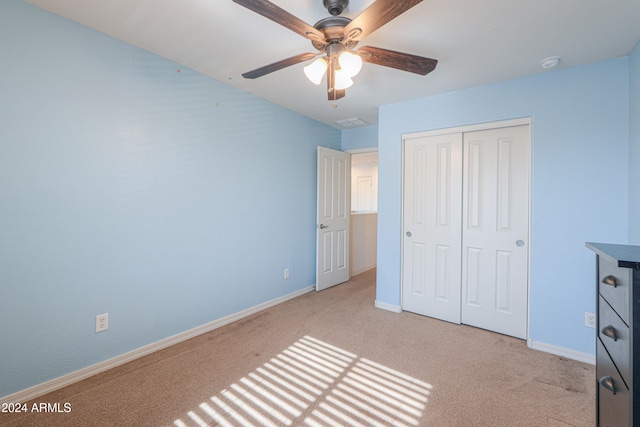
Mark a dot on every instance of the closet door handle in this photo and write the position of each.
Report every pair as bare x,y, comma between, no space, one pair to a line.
610,331
610,280
322,226
607,382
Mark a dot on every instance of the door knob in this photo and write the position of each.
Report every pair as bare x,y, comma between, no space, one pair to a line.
322,226
408,233
519,243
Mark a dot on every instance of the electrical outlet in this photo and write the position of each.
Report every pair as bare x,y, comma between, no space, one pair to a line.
589,319
102,322
286,273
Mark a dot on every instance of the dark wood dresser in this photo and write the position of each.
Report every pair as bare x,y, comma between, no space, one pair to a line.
618,342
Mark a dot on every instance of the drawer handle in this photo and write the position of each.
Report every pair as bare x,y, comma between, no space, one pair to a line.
610,280
610,331
607,382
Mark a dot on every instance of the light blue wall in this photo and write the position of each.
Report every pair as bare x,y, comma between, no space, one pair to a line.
579,182
634,146
359,138
162,197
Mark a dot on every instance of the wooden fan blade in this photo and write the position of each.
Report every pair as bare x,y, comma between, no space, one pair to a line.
259,72
282,17
375,16
398,60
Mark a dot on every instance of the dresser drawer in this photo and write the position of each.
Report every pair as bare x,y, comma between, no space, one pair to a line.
614,285
614,335
613,408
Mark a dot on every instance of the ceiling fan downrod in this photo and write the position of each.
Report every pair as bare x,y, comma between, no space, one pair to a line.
335,7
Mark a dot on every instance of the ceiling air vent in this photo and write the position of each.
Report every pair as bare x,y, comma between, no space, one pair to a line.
351,123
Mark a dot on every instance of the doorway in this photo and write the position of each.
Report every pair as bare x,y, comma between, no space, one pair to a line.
364,210
347,215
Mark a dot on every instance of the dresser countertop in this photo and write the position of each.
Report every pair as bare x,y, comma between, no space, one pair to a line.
627,256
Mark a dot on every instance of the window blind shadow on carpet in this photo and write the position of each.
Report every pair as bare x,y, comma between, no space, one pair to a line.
314,383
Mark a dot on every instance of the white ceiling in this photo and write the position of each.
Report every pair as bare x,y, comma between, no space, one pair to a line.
476,42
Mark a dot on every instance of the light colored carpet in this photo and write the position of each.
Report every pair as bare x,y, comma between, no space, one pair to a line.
331,358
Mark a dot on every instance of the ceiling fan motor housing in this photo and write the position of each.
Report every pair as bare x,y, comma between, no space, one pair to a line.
333,29
335,7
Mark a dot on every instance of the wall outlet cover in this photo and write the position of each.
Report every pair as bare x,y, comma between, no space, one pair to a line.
102,322
589,319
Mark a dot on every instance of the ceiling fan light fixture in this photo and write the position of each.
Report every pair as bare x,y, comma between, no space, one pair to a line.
335,39
315,71
342,80
350,63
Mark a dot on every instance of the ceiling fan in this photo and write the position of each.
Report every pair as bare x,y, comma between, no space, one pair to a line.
335,38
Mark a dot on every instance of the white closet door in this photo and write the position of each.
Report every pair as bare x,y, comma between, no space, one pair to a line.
495,237
432,226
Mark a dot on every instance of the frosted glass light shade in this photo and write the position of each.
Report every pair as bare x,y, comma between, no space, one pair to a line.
342,80
350,63
315,71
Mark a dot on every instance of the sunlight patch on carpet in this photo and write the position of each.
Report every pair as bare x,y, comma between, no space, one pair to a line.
314,383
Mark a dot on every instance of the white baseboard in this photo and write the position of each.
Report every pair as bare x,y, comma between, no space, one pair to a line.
73,377
561,351
362,270
388,307
535,345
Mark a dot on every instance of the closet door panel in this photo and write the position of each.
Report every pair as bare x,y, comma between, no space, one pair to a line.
495,230
432,218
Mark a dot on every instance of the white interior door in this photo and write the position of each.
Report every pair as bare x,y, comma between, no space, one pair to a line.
333,218
432,226
496,230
